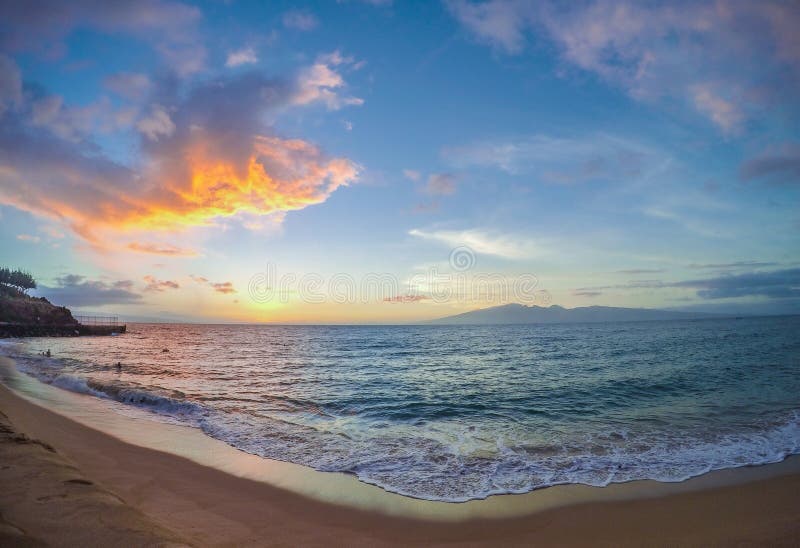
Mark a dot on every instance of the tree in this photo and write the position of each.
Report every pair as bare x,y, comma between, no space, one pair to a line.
21,279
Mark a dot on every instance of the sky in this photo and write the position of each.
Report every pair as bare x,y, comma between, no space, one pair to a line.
387,161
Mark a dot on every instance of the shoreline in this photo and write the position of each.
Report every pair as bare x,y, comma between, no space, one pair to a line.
207,506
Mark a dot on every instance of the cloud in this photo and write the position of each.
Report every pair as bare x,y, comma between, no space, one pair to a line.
405,299
560,160
441,184
44,25
482,242
71,123
156,124
322,82
412,175
240,57
154,284
10,84
724,59
641,271
161,249
300,20
130,85
725,113
225,288
29,238
737,264
75,290
779,284
498,22
780,166
203,157
589,294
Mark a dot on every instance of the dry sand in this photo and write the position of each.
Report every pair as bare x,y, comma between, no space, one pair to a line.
81,487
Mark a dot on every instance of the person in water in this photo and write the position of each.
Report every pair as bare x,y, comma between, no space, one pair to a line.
47,353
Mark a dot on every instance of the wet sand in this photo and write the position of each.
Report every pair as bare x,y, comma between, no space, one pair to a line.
79,486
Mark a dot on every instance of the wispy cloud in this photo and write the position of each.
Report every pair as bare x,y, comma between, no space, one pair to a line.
300,20
658,50
405,299
154,284
29,238
412,174
641,271
225,288
777,284
778,166
725,266
161,249
322,82
130,85
483,242
560,160
589,294
441,184
245,56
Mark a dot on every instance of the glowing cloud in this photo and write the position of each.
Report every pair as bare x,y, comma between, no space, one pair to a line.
203,157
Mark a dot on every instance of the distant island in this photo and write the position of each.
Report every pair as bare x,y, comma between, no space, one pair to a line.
523,314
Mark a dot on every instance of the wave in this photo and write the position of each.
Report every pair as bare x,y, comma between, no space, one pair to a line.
446,460
162,402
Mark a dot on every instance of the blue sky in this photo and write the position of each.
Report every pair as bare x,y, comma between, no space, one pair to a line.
158,157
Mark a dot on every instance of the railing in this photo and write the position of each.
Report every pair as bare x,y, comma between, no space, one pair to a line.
97,320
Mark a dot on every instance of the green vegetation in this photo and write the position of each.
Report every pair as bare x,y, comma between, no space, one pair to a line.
20,309
18,279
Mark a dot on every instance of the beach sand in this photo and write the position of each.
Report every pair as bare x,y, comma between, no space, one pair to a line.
79,486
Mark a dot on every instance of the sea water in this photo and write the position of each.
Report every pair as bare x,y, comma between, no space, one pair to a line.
462,412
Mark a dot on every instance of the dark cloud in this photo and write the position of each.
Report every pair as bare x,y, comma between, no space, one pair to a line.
737,264
778,167
589,294
780,284
75,290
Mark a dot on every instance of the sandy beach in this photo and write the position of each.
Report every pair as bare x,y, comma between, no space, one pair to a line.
66,484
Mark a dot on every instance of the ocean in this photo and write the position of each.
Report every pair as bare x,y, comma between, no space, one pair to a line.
455,413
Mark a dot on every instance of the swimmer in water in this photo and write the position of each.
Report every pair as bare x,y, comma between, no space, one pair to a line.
47,353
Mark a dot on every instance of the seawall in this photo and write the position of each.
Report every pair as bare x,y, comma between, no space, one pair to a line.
69,330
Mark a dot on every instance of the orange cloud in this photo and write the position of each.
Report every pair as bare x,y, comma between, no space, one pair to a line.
224,287
220,287
154,284
279,175
209,156
159,249
405,299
